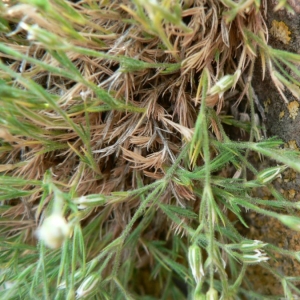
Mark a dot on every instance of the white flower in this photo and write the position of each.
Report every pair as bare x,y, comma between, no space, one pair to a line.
252,245
255,258
54,230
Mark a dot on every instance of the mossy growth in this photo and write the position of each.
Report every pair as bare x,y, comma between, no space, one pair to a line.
124,169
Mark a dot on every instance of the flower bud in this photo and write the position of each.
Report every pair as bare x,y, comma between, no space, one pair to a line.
225,83
290,221
198,295
222,85
195,261
269,174
89,201
251,245
54,230
212,294
87,286
297,255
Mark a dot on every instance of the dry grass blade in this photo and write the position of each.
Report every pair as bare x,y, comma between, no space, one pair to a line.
102,101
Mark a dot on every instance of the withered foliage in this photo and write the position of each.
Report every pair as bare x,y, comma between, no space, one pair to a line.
110,124
123,143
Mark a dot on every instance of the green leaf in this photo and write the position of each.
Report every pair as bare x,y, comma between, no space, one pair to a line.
184,212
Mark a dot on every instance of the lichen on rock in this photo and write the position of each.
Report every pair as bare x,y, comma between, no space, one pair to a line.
280,31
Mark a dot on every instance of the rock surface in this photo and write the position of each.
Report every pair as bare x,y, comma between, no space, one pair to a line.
282,119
